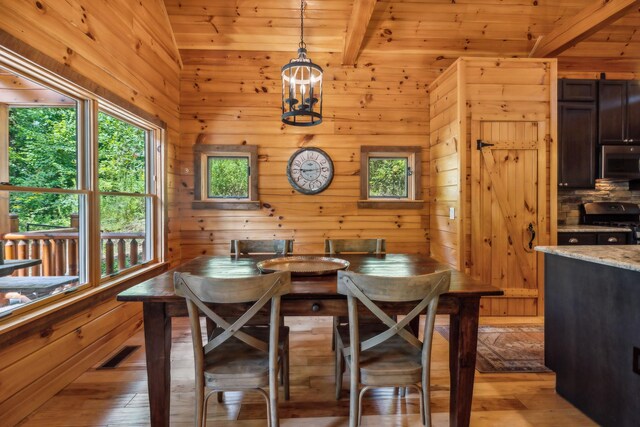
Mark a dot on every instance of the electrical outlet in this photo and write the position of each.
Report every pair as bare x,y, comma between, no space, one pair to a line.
452,213
636,360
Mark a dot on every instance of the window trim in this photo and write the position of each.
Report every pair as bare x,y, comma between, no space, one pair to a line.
413,154
201,154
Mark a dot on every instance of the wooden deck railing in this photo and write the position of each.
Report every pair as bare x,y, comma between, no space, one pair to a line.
58,250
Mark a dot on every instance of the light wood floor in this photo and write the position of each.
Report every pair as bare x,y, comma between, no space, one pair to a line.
118,397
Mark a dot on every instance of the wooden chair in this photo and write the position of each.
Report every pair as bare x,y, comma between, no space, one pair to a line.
387,354
276,247
354,246
248,247
237,356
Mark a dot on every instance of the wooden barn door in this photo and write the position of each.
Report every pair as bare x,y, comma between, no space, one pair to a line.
508,207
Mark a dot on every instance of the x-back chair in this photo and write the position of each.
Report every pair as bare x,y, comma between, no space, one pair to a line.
247,247
237,356
351,246
387,354
366,246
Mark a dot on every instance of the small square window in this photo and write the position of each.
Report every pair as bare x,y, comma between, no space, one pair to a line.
390,177
225,176
228,177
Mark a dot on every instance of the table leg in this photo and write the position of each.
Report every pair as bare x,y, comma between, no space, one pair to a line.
157,340
463,342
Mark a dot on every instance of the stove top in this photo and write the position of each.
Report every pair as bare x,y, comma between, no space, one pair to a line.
613,214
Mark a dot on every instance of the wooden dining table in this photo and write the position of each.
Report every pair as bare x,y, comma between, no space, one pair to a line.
312,296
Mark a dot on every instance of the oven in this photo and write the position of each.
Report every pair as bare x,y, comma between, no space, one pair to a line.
621,161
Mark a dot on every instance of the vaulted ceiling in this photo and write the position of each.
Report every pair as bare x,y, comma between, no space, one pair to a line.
431,33
394,33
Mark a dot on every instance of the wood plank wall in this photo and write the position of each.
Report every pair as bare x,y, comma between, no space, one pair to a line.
127,48
234,98
444,140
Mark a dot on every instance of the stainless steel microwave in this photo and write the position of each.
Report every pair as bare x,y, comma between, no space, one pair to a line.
621,161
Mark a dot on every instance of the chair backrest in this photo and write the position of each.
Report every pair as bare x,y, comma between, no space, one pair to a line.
276,247
367,246
425,290
200,291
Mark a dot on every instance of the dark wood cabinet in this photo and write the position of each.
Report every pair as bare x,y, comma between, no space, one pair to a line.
577,90
593,113
577,144
593,238
633,111
619,112
577,239
612,238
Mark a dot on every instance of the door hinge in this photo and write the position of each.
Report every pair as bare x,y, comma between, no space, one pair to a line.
480,144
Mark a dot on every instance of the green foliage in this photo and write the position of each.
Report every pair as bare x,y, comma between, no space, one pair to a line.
121,156
43,153
122,213
228,177
388,177
121,168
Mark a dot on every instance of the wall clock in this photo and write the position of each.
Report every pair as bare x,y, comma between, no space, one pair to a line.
310,170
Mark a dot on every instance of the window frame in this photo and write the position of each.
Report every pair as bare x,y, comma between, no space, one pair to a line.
201,154
85,92
413,154
152,146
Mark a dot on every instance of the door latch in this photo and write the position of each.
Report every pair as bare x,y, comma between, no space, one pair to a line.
533,235
480,144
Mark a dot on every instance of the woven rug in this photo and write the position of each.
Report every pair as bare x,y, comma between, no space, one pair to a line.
511,348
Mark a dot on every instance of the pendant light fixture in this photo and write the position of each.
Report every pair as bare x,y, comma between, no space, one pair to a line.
301,86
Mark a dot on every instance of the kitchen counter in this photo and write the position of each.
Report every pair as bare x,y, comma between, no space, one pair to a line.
621,256
591,339
583,228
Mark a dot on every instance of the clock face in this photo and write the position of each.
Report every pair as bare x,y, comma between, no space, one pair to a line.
310,170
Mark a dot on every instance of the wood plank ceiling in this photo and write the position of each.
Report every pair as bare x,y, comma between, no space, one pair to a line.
431,33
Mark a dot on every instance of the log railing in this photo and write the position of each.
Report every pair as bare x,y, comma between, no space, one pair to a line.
58,250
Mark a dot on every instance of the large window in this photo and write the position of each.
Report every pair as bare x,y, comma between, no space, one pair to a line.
78,202
390,177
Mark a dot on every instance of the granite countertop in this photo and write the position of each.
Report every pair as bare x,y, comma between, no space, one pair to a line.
582,228
621,256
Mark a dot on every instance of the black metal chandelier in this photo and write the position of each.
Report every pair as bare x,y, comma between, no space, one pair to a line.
301,86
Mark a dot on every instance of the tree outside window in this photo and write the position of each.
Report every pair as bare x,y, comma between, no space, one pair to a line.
228,177
390,177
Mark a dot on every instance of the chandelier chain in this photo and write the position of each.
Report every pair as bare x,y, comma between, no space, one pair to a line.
302,43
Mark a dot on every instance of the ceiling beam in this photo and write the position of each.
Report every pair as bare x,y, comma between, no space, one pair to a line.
574,29
356,29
